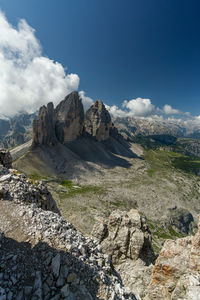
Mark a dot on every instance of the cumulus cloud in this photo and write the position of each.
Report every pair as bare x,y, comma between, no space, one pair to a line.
139,107
115,111
87,101
143,108
168,110
27,78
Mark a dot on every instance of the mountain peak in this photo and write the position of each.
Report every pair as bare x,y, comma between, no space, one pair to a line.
67,122
98,121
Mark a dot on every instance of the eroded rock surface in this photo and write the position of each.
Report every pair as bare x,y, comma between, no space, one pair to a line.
63,124
44,126
176,274
126,238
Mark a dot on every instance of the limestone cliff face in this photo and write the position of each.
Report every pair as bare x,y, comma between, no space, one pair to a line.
98,121
69,117
44,126
63,124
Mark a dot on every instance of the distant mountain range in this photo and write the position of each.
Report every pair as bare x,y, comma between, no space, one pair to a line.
18,129
15,130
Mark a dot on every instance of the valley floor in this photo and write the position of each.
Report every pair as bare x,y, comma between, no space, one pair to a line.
148,182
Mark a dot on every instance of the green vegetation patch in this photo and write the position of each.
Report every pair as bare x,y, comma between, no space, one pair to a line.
187,164
160,160
160,234
156,141
74,190
37,177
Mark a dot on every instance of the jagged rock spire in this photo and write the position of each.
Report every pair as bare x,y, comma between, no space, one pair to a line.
66,122
63,124
98,121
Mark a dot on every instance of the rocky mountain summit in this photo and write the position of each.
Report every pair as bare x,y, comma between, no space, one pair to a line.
66,123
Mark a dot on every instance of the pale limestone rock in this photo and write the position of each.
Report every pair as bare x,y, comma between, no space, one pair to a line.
126,237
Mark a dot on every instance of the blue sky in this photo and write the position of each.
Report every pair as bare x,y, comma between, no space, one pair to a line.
121,50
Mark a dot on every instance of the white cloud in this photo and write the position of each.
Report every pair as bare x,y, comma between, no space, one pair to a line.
168,110
139,107
28,79
115,111
87,101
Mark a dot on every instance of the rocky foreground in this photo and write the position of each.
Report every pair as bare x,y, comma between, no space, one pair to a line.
42,256
174,275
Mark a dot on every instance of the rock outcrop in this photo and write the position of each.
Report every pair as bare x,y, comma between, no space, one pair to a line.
16,187
5,158
98,121
125,235
126,238
176,274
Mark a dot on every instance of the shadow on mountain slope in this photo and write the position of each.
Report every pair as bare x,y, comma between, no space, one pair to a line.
75,159
108,153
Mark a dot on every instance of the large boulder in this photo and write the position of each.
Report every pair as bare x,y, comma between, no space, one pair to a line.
125,235
69,116
98,121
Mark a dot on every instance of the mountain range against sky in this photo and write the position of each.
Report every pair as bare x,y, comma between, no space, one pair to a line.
30,79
